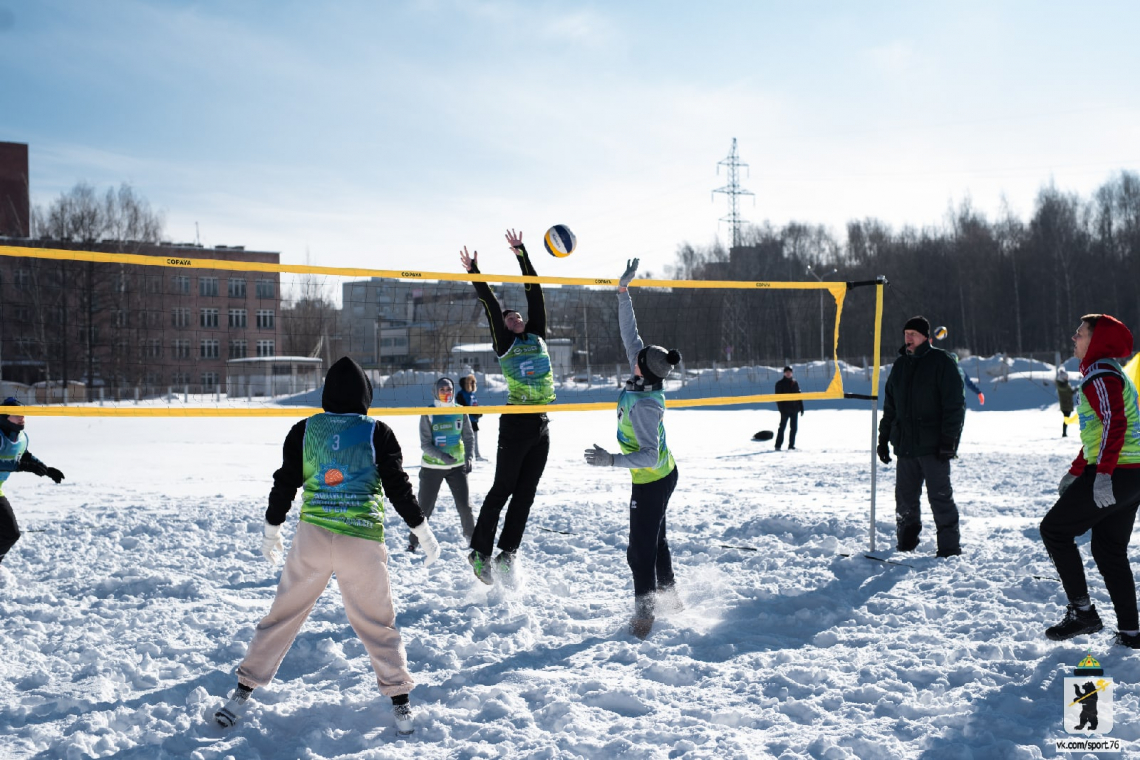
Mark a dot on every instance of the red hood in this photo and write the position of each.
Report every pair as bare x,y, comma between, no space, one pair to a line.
1110,340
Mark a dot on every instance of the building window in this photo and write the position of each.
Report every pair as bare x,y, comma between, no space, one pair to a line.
237,318
181,284
207,286
152,378
120,318
237,349
266,348
209,318
152,348
180,378
180,317
154,319
180,349
153,284
25,346
209,380
265,319
22,279
265,289
210,349
119,283
23,314
237,288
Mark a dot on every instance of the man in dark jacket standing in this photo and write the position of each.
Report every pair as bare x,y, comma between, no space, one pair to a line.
789,410
923,413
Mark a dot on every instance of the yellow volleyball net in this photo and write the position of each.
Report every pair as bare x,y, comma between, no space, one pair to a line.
184,331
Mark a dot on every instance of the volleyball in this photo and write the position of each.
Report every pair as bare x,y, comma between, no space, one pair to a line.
560,241
940,332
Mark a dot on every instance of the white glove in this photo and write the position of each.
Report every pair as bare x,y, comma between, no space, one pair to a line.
273,545
599,457
427,541
1066,480
1102,490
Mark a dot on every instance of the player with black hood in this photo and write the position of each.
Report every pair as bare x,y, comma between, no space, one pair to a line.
641,435
349,466
524,440
15,457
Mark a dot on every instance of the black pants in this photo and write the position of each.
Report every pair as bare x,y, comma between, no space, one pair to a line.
1075,514
909,477
785,417
431,478
9,530
524,443
648,553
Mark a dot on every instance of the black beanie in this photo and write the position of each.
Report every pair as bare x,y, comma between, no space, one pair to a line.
919,325
656,363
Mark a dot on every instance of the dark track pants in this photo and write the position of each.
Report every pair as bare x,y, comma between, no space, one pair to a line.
524,443
909,477
1075,514
9,530
785,418
648,553
431,479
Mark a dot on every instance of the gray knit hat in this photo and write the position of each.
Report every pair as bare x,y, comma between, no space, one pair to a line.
656,363
444,382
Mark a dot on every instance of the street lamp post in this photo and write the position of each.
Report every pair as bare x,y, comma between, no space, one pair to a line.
818,276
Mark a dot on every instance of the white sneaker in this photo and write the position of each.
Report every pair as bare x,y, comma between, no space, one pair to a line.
404,723
228,715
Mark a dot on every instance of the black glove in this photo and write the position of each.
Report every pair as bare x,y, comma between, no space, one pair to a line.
947,449
884,452
801,412
54,474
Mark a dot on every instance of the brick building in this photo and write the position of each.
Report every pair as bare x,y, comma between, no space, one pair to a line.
119,328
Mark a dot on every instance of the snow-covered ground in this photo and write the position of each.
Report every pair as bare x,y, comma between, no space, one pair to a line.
139,581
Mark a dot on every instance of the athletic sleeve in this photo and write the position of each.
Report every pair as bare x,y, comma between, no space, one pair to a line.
29,463
1105,394
627,322
501,337
535,301
953,393
390,466
468,438
888,410
645,416
289,476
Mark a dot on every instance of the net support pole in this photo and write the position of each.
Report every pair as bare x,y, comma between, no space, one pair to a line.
880,282
874,466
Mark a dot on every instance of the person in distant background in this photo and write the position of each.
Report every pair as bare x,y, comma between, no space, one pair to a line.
466,397
1065,399
448,448
15,457
790,411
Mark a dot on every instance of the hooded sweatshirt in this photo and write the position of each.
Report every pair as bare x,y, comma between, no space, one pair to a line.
346,462
445,433
1107,404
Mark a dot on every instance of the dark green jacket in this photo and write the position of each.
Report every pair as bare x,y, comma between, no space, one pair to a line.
925,403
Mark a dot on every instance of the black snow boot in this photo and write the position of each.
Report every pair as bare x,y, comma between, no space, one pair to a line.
642,621
1130,640
908,537
1077,622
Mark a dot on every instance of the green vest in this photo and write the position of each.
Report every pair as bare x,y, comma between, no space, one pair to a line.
1092,430
627,438
526,366
447,435
342,487
10,453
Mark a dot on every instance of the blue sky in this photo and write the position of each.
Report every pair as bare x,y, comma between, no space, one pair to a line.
390,134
